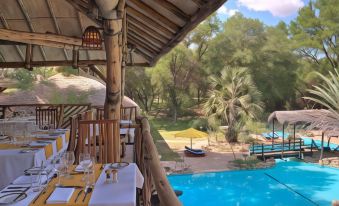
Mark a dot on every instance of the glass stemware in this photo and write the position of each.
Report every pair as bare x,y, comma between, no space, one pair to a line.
85,162
69,160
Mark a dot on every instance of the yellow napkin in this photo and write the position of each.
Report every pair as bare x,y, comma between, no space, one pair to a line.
59,143
67,134
48,150
9,146
74,181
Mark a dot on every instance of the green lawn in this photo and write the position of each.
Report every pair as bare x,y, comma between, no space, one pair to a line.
167,124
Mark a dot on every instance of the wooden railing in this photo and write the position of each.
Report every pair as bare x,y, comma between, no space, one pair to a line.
64,111
147,159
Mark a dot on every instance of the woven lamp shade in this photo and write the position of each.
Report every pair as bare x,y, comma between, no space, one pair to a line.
91,38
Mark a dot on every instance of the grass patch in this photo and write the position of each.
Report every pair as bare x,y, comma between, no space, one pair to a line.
169,125
164,150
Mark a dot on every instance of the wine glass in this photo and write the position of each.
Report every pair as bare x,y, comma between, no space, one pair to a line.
59,167
85,162
69,160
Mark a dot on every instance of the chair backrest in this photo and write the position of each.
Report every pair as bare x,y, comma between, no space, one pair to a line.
95,136
47,116
74,130
99,113
128,113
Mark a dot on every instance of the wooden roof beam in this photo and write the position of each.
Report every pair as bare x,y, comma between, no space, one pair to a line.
199,3
85,9
51,40
31,27
173,9
147,32
141,52
6,26
156,31
56,25
151,52
143,18
164,21
199,16
81,63
141,38
97,71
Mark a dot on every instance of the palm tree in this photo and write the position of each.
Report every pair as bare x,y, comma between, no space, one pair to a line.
233,99
327,94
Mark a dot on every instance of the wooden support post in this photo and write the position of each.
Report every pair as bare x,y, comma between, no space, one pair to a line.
273,133
28,59
283,142
322,145
75,58
113,85
294,136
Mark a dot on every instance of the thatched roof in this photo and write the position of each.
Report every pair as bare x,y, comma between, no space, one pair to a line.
154,27
60,88
314,119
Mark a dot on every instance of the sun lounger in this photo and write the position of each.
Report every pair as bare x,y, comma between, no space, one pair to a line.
269,136
194,152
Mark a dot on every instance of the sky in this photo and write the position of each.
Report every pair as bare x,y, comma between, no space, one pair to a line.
271,12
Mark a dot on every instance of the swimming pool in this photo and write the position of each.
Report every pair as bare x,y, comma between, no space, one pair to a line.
288,183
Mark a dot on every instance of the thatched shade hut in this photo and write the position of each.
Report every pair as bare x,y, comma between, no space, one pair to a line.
320,119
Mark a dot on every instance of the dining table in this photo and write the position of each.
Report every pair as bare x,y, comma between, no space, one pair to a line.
72,190
16,157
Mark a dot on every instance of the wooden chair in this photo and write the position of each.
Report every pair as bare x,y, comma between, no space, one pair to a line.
46,117
74,130
128,113
93,138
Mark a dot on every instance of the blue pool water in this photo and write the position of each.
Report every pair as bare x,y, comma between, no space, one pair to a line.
288,183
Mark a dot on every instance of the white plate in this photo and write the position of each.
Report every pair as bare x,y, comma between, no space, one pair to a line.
12,198
3,137
118,165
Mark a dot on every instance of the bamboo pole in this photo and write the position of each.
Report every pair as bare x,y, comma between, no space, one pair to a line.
113,84
165,192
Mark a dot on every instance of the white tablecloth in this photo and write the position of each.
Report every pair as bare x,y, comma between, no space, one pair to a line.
122,193
13,163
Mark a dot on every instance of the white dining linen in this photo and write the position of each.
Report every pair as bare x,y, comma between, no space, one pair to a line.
13,162
122,193
60,195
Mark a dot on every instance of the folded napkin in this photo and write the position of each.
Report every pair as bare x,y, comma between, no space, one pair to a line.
45,136
60,195
79,167
37,144
27,179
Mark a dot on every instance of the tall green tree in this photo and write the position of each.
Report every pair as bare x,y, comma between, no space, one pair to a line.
315,32
139,87
173,74
198,41
233,99
327,93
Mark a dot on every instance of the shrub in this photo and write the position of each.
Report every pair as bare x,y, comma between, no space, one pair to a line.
200,124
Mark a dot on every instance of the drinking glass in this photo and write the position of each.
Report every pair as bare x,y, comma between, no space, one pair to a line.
36,181
59,168
69,160
85,162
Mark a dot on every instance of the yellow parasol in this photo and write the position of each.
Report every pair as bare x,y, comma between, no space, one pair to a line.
191,133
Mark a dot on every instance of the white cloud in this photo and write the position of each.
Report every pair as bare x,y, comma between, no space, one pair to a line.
279,8
225,11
